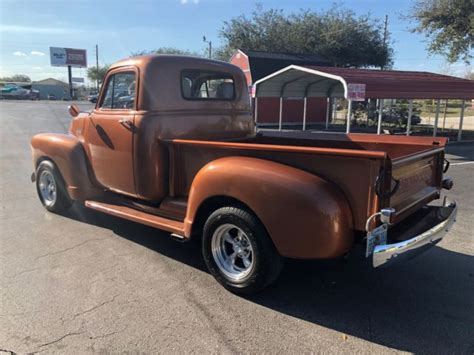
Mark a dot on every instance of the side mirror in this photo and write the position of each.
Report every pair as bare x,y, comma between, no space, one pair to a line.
73,110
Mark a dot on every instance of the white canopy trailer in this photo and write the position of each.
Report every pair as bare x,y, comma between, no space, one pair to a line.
357,85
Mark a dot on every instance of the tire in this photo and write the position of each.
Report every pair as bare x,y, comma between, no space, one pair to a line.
51,188
238,251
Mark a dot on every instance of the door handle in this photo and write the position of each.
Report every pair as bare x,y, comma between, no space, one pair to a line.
126,123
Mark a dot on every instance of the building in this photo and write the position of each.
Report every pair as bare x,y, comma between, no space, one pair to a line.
52,87
258,64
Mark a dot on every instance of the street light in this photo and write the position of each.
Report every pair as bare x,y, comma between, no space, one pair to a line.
210,46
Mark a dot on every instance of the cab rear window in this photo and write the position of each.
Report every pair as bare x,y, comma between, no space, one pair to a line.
207,85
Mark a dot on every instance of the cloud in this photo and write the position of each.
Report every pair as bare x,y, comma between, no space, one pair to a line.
183,2
19,54
37,53
196,2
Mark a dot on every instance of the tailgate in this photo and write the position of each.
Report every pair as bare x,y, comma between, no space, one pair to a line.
420,177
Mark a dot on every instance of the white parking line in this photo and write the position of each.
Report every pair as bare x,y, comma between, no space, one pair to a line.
463,163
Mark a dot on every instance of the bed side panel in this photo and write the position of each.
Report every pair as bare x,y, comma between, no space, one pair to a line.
355,176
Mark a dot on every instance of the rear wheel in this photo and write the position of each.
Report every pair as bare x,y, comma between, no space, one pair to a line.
238,251
51,188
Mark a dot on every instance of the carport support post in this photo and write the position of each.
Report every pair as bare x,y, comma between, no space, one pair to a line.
379,123
410,113
368,111
435,128
463,105
256,109
349,114
281,114
328,107
304,113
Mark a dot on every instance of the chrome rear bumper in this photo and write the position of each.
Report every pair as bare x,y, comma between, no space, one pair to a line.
389,254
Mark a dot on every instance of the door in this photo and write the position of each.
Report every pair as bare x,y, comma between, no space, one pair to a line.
109,132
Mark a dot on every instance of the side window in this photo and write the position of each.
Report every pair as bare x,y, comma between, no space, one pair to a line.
207,85
107,102
120,91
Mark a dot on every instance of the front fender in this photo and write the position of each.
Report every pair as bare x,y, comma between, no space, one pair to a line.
67,152
306,216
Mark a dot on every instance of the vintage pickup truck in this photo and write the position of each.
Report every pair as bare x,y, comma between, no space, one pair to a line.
171,143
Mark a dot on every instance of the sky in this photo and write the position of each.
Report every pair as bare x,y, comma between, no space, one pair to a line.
29,27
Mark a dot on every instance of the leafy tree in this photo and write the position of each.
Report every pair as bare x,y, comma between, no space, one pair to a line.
167,50
448,25
97,74
17,78
337,34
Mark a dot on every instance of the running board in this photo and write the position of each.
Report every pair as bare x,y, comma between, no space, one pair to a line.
134,215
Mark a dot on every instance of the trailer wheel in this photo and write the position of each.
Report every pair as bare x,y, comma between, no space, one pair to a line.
238,251
51,188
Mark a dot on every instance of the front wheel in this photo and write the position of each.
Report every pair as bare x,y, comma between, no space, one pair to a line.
238,251
51,188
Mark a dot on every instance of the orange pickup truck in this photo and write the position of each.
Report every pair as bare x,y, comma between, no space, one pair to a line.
171,143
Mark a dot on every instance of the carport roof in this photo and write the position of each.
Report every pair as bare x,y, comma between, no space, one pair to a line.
311,81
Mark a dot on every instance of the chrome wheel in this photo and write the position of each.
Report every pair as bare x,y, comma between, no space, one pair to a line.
232,252
47,187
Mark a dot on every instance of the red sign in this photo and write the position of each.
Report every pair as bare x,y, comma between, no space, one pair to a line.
63,57
356,92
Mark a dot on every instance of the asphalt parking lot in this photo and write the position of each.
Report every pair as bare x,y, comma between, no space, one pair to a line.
87,282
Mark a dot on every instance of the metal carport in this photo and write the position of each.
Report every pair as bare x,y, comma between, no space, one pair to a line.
331,82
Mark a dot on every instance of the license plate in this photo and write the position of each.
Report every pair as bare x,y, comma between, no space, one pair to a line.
377,236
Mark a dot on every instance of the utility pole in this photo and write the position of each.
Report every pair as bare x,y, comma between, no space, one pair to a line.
210,46
385,36
97,63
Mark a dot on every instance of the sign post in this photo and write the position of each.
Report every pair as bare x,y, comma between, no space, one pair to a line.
68,57
69,76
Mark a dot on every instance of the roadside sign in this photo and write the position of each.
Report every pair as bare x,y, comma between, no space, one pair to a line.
356,92
78,80
252,91
63,57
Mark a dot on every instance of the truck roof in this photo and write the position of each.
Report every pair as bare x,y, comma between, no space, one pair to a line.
171,59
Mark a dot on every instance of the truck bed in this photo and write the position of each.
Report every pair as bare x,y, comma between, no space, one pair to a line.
365,167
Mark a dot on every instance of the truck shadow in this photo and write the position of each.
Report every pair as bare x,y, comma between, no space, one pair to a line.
424,306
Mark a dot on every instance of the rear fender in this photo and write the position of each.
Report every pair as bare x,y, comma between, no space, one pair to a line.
306,216
67,153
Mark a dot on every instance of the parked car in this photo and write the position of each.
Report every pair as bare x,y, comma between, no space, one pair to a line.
13,91
51,97
33,94
9,87
190,163
92,97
